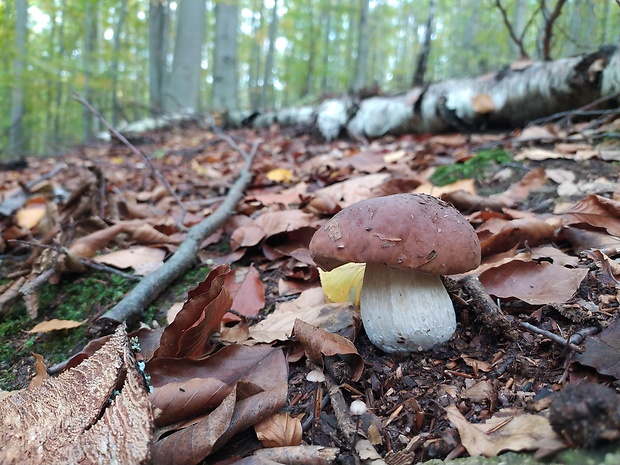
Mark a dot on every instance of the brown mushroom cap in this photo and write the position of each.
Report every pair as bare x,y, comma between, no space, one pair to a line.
407,231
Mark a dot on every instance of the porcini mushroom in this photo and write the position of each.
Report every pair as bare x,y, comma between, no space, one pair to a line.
407,242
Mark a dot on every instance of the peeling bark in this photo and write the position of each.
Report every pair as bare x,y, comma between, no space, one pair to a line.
505,99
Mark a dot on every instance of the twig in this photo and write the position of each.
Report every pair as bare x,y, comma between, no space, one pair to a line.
137,152
365,451
492,316
132,306
109,269
548,334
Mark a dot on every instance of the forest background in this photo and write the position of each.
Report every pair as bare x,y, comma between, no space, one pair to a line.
137,58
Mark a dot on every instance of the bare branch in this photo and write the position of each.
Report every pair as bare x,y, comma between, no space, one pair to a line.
137,152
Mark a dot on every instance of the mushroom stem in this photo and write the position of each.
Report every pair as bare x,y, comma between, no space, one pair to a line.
404,311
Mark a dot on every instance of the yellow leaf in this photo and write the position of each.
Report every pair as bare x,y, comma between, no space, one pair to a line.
279,175
28,217
54,325
343,284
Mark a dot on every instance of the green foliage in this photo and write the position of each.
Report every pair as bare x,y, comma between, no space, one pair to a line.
476,167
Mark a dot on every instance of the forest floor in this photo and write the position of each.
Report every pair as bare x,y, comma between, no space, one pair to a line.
545,203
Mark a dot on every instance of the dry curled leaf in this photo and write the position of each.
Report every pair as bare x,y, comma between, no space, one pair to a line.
279,430
97,412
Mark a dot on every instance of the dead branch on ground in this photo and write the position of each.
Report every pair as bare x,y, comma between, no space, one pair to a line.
135,302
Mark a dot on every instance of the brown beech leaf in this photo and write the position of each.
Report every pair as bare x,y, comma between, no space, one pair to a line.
311,307
319,343
518,192
187,388
190,445
76,418
54,325
147,234
596,211
602,351
279,430
515,233
190,333
177,401
277,222
258,377
247,291
505,431
534,283
87,246
141,258
468,202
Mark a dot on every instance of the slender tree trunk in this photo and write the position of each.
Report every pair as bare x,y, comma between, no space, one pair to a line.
418,77
16,136
327,18
255,64
361,65
115,60
90,31
158,47
268,75
519,18
184,88
59,83
312,41
225,77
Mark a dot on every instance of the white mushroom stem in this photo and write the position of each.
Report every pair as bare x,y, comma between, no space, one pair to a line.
404,311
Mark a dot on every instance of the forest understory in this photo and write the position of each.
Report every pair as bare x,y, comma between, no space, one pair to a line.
532,366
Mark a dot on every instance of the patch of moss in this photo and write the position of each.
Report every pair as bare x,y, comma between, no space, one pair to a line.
476,167
74,298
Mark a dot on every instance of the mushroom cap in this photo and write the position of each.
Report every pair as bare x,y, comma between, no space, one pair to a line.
405,231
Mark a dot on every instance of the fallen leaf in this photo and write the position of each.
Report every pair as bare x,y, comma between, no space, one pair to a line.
190,333
602,351
247,292
280,175
190,445
506,430
279,430
54,325
319,343
533,282
309,306
77,414
343,284
141,258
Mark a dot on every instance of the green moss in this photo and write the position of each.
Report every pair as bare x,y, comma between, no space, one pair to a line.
74,298
476,167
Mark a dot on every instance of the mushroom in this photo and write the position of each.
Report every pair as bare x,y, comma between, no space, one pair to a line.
407,241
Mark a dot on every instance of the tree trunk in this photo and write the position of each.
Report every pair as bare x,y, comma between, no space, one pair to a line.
268,75
361,65
327,18
90,33
158,46
225,78
519,18
16,135
184,88
257,24
422,62
506,99
115,59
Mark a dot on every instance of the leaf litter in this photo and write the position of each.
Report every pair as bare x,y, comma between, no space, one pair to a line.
550,250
